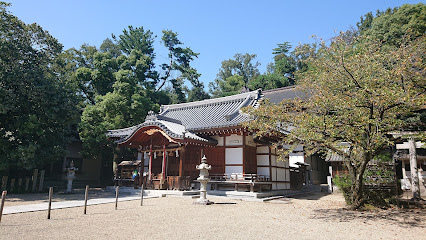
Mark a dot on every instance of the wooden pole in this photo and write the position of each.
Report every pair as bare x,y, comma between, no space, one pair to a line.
150,163
116,196
40,187
35,174
3,198
142,193
50,202
85,198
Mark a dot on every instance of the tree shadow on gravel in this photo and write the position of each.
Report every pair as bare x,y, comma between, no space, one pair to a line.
413,218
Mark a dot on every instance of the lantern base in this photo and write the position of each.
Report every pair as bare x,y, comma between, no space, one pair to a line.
203,202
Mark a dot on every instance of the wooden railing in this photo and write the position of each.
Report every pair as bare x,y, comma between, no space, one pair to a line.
239,177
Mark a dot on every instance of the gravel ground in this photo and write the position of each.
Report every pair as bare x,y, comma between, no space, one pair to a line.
315,216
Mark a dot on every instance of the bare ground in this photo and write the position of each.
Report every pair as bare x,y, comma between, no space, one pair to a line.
315,216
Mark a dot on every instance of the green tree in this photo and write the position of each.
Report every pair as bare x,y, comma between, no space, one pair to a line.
285,65
390,26
36,109
269,81
235,74
356,92
122,88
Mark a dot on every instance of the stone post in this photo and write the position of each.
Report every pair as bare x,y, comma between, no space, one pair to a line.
203,179
413,169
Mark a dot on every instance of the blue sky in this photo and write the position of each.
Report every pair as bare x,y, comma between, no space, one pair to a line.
215,29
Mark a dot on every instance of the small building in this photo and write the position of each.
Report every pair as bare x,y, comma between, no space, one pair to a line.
172,142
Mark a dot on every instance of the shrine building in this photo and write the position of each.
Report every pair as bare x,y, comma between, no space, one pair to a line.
171,143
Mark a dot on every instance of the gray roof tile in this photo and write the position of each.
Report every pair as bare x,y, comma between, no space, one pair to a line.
187,118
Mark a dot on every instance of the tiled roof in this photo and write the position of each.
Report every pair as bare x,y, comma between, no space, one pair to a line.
212,113
173,129
183,120
279,94
118,133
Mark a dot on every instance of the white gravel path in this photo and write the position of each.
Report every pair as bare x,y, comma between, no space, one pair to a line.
307,217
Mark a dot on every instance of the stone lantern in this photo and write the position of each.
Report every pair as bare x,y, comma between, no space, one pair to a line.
203,179
70,176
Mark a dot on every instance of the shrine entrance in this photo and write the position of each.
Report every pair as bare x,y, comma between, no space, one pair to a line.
166,162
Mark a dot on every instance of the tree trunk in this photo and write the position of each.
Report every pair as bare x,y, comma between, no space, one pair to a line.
357,197
413,169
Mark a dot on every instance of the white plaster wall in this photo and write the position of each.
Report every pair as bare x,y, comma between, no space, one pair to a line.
263,160
263,171
234,140
250,141
296,157
273,160
287,176
233,169
281,163
234,156
281,174
219,140
263,149
274,174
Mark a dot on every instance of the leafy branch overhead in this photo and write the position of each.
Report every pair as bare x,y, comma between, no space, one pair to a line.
356,92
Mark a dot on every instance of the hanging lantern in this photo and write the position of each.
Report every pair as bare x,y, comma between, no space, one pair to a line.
177,153
155,154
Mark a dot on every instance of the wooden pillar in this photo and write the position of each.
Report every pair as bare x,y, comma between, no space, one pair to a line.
163,169
181,158
244,151
150,164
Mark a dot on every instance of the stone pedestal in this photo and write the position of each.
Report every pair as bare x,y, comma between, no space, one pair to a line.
203,179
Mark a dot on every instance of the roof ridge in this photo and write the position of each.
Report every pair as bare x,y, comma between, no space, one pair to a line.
279,89
206,102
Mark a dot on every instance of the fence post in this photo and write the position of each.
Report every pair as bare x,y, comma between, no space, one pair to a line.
4,183
12,185
3,198
27,183
35,175
142,192
85,198
116,196
40,188
19,184
50,202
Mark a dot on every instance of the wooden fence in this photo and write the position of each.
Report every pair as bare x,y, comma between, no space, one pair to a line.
33,183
